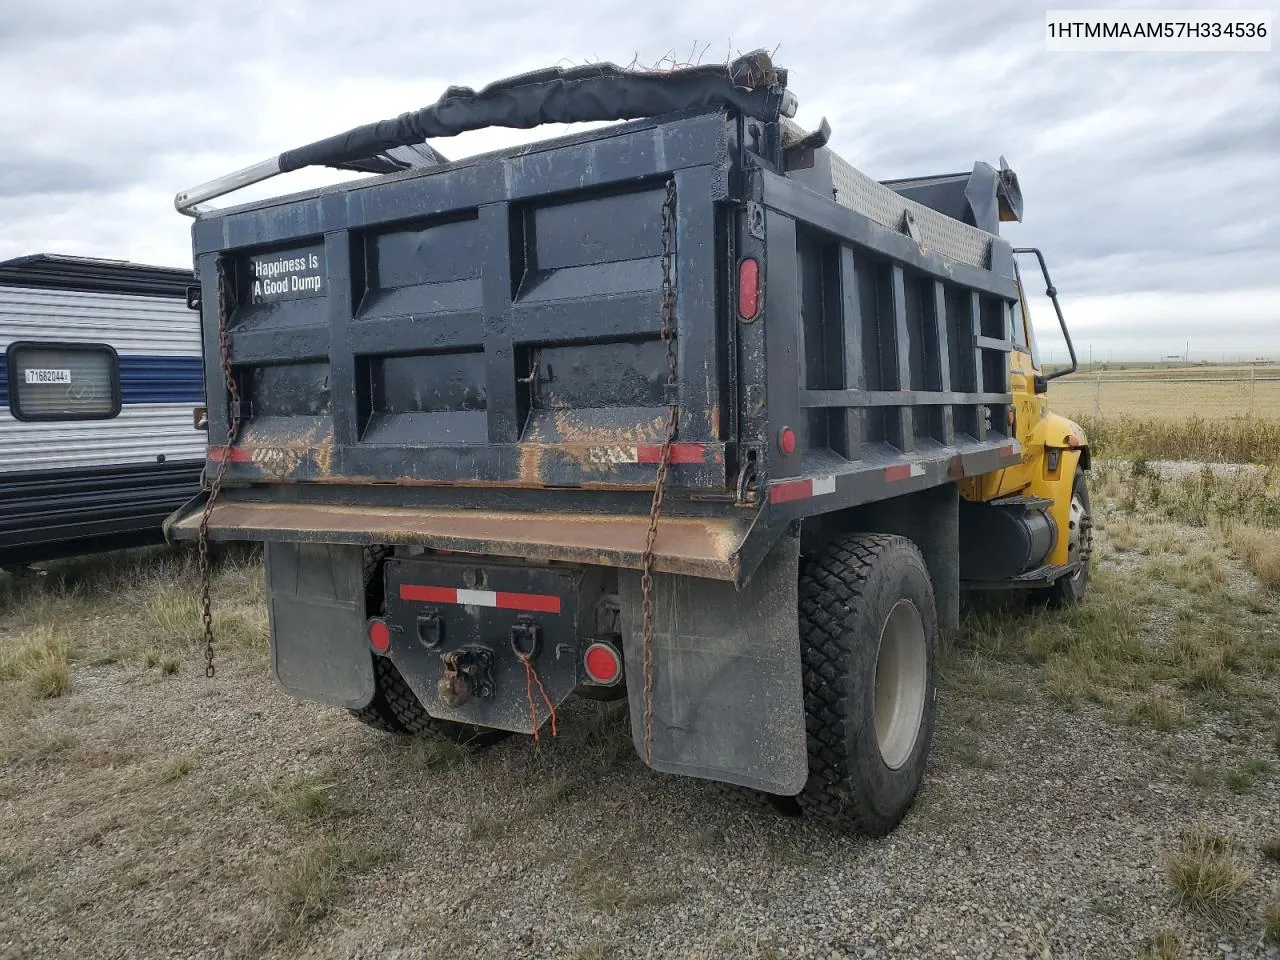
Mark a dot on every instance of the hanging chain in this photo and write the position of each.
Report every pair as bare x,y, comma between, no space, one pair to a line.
233,428
664,459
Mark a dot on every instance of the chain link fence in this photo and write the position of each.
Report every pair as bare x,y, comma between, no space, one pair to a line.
1210,393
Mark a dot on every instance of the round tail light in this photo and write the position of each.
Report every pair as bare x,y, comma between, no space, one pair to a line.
787,441
379,635
603,664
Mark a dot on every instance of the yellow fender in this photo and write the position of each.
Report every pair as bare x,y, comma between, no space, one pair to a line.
1064,447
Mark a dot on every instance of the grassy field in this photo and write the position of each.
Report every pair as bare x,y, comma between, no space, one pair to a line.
1105,783
1167,392
1167,400
1229,418
1251,441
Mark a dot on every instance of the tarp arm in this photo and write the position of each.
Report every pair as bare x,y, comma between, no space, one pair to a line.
751,85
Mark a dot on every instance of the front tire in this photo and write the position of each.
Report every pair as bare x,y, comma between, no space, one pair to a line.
868,625
1070,590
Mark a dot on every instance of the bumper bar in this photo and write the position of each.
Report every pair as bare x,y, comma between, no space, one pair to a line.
711,547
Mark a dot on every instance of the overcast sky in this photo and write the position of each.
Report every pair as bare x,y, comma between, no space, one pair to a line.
1152,181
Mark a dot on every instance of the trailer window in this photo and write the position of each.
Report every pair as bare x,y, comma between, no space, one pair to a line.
63,381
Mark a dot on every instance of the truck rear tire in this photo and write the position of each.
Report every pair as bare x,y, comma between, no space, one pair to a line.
396,709
868,623
378,712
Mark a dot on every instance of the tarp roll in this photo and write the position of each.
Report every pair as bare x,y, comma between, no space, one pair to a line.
750,85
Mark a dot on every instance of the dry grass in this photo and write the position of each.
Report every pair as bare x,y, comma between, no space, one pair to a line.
1083,654
1184,437
135,607
1208,878
1219,402
1271,848
39,660
1158,711
1259,549
312,882
306,799
1271,920
175,769
1200,498
603,879
1164,944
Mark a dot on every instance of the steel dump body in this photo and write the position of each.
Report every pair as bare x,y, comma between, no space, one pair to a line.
439,356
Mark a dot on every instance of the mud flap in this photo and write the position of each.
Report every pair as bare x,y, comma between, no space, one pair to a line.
728,702
316,606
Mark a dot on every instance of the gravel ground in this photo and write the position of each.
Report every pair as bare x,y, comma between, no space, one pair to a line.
149,816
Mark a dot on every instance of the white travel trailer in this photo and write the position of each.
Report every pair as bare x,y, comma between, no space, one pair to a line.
100,371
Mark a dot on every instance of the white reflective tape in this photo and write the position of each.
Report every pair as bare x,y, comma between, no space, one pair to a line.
823,485
917,470
612,455
477,598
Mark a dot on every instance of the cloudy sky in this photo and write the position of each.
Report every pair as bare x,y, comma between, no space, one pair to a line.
1152,181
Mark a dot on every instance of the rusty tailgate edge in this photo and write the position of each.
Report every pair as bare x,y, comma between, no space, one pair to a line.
709,547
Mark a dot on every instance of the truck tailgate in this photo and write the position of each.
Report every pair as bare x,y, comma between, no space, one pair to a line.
495,321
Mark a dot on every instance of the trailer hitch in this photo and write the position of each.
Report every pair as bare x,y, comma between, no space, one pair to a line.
468,672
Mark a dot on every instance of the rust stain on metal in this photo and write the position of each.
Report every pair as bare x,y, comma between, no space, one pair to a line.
696,546
531,456
715,420
955,468
322,448
570,426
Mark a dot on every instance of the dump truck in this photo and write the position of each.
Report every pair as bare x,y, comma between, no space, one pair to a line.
682,408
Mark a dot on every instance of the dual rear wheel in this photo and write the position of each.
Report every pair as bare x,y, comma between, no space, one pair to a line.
868,626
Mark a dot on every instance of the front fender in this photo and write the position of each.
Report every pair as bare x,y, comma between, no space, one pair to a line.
1064,441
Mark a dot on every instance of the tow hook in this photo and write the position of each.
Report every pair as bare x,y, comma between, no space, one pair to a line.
468,672
526,638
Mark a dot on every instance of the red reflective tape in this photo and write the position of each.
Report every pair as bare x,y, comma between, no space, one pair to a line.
412,591
790,490
899,471
539,602
1007,450
680,453
233,455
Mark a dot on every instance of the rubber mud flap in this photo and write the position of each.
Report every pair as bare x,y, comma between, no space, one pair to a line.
315,595
728,700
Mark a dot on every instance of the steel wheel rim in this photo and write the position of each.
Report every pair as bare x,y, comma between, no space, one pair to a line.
1076,537
901,683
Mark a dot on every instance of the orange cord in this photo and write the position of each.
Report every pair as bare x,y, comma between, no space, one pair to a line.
530,678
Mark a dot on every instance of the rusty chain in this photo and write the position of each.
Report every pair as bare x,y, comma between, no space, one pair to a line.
233,428
668,306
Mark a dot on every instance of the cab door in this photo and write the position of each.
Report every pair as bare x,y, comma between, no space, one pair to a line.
1028,407
1024,367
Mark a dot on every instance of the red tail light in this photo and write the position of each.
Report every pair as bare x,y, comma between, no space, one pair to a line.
748,289
603,663
379,635
787,441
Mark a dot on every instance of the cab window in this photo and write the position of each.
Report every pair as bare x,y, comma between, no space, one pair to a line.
1018,327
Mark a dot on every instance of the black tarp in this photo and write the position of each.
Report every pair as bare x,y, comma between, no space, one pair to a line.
751,85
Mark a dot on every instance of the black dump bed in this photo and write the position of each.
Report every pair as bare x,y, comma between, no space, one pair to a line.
469,355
